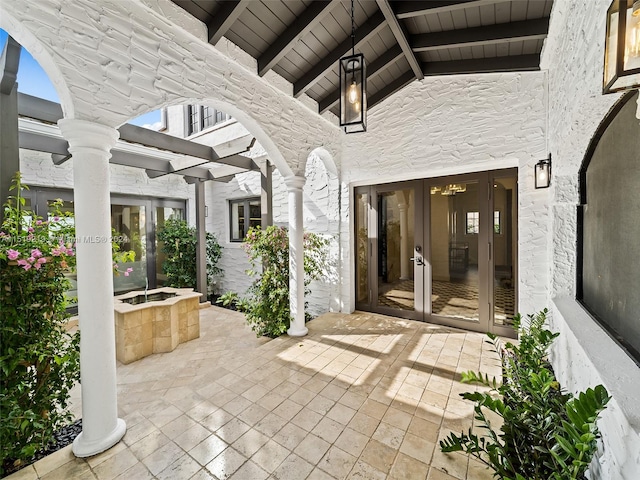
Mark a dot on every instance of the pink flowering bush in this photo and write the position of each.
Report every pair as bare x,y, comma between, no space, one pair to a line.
267,305
39,359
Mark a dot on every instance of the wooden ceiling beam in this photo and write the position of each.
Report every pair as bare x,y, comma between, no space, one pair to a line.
372,26
226,16
409,9
375,68
401,36
492,34
302,25
514,63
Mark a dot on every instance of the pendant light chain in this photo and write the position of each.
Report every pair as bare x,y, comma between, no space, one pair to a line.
353,30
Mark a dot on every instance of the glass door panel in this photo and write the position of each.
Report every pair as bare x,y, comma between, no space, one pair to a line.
454,230
129,223
396,228
363,254
163,214
504,249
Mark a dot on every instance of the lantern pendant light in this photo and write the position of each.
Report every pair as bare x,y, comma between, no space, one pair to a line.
353,87
622,46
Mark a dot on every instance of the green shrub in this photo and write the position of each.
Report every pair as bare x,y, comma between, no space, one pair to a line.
180,244
267,305
546,433
39,359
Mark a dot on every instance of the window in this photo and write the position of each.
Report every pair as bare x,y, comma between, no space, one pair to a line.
608,227
244,214
200,117
473,223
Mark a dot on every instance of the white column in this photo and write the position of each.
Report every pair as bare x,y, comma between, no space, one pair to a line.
296,256
404,235
90,145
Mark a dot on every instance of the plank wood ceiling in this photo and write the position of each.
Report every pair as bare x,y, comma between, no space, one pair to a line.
302,40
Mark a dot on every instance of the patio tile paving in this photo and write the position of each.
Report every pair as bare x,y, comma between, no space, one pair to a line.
363,396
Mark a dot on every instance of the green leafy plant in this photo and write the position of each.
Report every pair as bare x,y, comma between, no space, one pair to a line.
180,243
39,359
546,433
229,300
267,303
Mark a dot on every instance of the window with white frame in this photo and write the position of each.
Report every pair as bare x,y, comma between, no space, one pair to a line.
472,223
243,214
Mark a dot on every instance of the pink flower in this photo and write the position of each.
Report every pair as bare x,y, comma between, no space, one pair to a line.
31,259
38,222
129,270
12,254
56,218
70,252
30,230
24,264
36,253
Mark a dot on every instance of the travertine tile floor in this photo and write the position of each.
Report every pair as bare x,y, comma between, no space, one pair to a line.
363,396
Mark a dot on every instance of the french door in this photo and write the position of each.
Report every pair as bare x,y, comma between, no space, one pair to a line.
441,250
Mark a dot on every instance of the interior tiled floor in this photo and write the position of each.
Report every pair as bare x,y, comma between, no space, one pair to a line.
363,396
452,299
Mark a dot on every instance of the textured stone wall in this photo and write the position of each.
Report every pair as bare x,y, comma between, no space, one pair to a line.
573,54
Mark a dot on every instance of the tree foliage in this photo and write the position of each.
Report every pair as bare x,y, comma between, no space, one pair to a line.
267,304
180,245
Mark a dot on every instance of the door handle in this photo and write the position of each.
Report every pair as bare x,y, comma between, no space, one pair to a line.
418,260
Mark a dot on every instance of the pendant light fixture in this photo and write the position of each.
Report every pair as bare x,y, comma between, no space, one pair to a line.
622,46
353,87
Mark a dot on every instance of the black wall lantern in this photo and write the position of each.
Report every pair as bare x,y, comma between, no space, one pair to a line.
543,173
353,88
622,46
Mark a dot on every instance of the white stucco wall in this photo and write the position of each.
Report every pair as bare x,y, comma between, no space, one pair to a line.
460,124
584,354
111,61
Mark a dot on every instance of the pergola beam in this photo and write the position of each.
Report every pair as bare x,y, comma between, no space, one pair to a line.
313,14
401,35
372,26
411,9
51,112
226,16
504,32
9,62
375,68
9,135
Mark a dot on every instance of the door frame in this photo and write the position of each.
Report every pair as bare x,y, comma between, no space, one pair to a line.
422,239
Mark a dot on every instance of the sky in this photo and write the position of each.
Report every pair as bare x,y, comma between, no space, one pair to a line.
33,80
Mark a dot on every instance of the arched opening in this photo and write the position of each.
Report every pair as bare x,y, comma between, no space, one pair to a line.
608,228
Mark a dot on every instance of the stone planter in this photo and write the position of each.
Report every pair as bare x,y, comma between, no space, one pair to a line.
170,316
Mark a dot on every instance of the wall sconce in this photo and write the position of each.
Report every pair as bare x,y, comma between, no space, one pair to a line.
622,46
543,173
353,88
